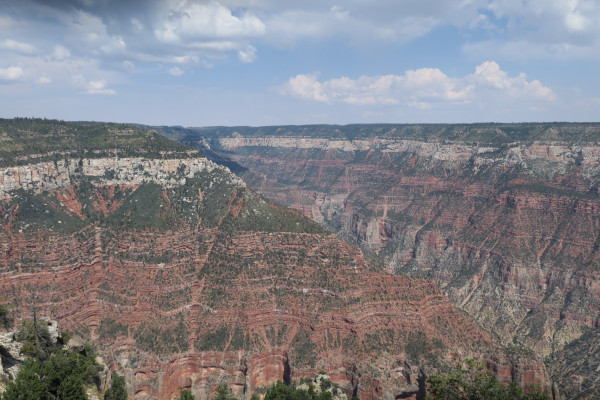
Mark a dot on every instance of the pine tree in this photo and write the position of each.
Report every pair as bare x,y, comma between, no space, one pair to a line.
117,390
186,394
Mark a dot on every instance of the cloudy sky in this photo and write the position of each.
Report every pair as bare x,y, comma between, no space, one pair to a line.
266,62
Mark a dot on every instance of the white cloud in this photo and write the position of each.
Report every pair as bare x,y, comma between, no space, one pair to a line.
41,40
44,80
99,87
489,74
421,88
128,65
202,31
5,22
61,53
195,24
551,27
176,71
137,25
19,47
92,87
88,34
114,45
544,29
289,26
11,73
305,87
247,55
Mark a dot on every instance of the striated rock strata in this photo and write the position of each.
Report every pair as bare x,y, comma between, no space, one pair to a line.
504,217
184,278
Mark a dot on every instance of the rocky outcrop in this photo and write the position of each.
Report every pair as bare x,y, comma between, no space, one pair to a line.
507,228
513,153
322,383
279,312
194,281
10,359
46,176
575,368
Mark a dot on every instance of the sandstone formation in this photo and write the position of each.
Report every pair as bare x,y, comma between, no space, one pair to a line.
184,278
505,218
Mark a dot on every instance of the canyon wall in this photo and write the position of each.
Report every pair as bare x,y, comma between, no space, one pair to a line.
504,218
52,175
184,278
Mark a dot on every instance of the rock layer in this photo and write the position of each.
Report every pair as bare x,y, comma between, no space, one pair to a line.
189,280
504,218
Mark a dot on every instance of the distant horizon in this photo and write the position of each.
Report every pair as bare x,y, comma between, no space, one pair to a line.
307,124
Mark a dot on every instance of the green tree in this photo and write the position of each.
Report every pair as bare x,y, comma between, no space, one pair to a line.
62,376
224,393
117,390
185,394
281,391
473,382
6,320
35,337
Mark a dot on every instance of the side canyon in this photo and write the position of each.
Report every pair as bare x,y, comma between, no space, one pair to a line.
505,218
185,278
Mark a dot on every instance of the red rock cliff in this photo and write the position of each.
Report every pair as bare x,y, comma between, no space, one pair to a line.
199,281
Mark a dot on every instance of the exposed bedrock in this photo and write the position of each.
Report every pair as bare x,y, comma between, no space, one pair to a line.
509,229
184,278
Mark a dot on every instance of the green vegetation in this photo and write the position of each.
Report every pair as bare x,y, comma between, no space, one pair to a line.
224,393
213,340
117,389
111,329
473,382
261,214
35,212
419,346
36,339
304,349
51,139
185,394
159,340
281,391
325,384
145,208
62,376
6,320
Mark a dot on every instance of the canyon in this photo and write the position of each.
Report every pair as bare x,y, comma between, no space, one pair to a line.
183,277
505,218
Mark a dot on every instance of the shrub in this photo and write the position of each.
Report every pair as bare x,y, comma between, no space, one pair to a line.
6,321
325,384
473,382
117,390
61,376
281,391
185,394
224,393
65,337
36,338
